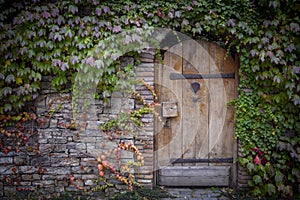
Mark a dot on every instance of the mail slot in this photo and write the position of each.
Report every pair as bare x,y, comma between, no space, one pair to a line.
169,109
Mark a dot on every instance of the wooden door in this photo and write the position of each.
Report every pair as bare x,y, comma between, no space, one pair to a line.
194,139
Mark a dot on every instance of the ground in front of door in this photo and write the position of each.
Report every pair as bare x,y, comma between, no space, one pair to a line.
195,193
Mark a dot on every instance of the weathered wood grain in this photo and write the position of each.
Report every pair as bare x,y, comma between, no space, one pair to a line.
195,176
221,127
195,105
168,138
204,127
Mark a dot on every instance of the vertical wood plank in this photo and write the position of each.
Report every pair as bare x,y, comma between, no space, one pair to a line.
169,136
195,110
221,118
217,110
202,145
160,140
174,64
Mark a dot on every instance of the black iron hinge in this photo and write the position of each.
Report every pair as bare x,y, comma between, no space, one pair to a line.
176,76
201,160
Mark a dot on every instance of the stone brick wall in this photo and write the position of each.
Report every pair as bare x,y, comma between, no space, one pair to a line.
66,155
243,175
145,140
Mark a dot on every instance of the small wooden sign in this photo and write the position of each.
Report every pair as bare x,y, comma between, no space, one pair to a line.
169,109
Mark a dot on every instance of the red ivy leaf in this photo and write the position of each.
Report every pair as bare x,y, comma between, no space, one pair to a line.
14,170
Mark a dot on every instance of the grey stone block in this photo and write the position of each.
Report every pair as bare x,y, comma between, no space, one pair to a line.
6,160
58,170
81,146
28,169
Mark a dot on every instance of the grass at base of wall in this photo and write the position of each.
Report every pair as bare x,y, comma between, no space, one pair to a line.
159,193
235,194
141,194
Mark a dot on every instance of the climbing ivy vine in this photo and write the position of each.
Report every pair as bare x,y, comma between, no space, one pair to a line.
39,38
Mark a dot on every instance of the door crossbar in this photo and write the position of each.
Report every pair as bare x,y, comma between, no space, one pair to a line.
176,76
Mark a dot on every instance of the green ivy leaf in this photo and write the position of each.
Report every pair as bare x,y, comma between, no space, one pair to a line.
279,177
7,107
6,91
106,94
2,77
10,78
243,161
257,179
250,167
13,98
256,191
291,178
251,183
296,172
270,188
16,118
